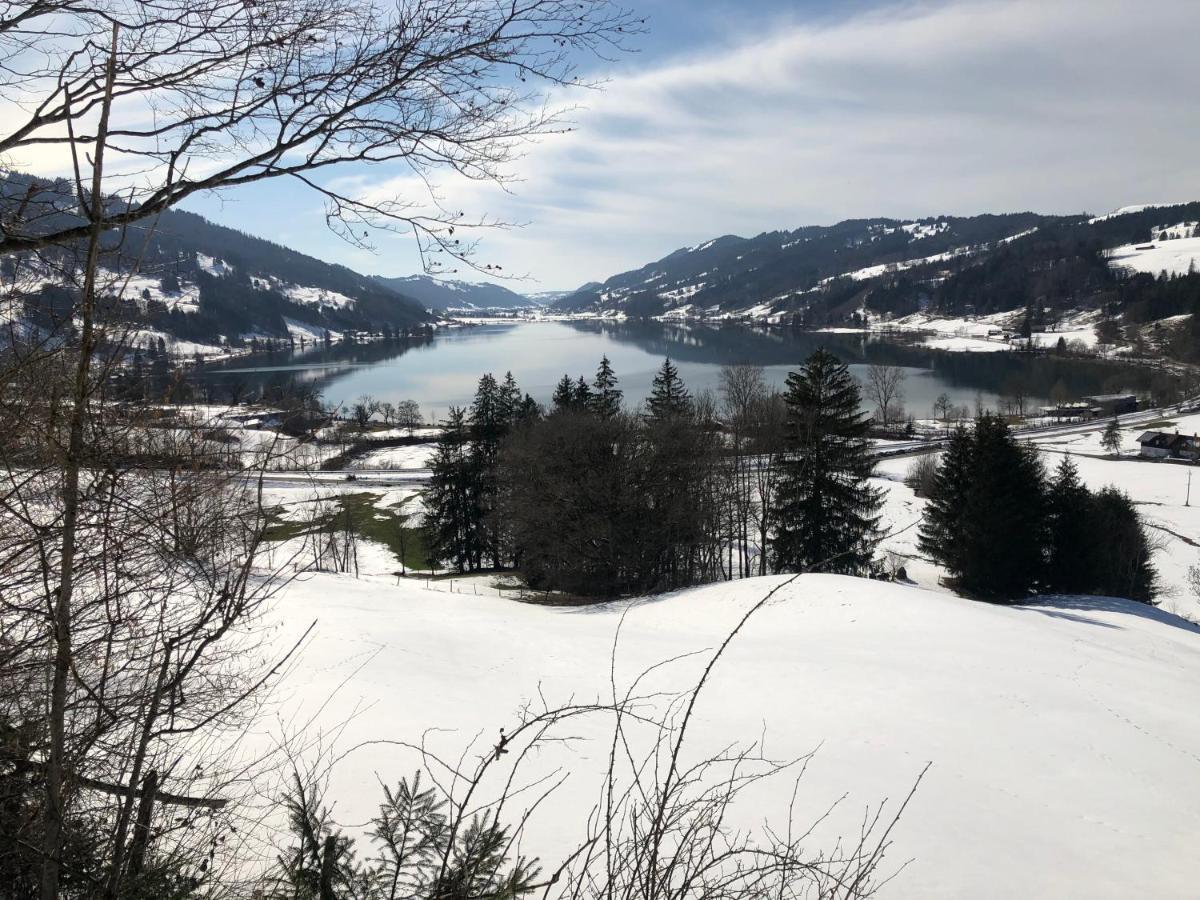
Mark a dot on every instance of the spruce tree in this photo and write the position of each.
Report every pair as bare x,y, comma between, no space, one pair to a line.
509,400
606,396
529,411
563,398
491,419
1123,567
668,395
1111,439
828,512
581,398
941,526
987,521
1071,556
450,518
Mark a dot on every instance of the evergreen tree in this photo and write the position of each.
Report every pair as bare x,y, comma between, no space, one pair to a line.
1123,567
581,395
1111,439
529,411
451,518
563,398
986,521
1004,517
1070,561
668,395
487,414
941,527
606,398
828,512
509,400
492,414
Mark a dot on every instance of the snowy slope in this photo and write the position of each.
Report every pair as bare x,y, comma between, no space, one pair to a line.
1064,737
1175,257
449,293
1127,210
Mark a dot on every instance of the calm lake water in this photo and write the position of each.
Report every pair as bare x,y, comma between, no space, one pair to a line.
443,370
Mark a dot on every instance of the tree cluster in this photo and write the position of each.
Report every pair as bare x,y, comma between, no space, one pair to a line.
1003,529
594,500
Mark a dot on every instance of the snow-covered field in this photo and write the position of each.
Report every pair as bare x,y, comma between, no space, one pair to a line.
1064,737
416,456
982,334
1175,257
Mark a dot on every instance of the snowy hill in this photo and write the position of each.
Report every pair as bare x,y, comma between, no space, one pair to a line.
822,275
199,285
445,294
1063,736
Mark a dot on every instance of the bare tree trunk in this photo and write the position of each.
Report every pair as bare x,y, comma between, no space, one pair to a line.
141,828
53,815
327,855
118,851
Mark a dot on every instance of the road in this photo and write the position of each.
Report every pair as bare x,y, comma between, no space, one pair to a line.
1144,417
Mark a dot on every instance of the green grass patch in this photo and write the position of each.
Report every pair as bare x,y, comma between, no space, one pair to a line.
386,525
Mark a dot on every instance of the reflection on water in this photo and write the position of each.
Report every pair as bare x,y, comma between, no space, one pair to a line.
442,370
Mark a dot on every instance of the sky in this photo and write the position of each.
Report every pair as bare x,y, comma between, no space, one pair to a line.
744,117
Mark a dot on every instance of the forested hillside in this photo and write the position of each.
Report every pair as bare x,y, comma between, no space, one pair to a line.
449,294
960,266
183,277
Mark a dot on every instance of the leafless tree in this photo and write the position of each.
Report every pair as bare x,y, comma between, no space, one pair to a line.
885,387
362,410
387,412
743,388
922,473
202,95
408,415
942,408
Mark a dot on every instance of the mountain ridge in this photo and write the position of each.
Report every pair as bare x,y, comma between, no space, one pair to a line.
441,294
200,284
984,263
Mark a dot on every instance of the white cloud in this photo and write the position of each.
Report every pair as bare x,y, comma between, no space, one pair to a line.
907,111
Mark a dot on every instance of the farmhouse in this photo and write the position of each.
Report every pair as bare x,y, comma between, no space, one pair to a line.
1165,445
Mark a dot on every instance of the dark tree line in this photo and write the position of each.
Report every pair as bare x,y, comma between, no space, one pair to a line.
592,499
462,525
1004,529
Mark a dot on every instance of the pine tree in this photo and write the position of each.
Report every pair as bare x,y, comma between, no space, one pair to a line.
1123,567
606,398
450,518
828,512
668,395
1111,439
1070,562
941,526
487,415
509,400
986,522
492,416
563,398
581,395
529,411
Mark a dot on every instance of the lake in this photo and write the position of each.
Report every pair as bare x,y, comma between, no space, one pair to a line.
443,370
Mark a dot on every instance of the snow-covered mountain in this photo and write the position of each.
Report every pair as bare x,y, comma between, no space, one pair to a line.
199,285
447,294
982,263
